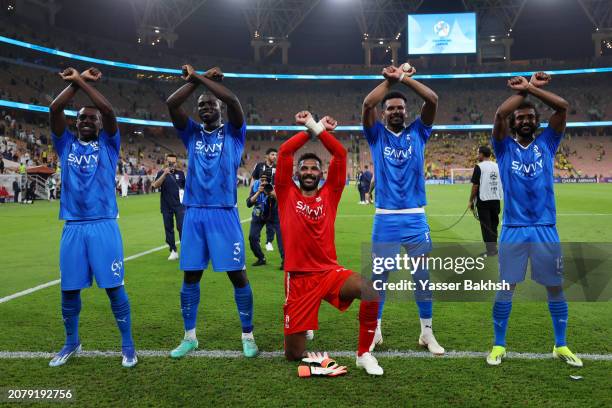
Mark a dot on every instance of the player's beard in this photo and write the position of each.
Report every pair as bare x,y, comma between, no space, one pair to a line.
312,187
396,121
526,134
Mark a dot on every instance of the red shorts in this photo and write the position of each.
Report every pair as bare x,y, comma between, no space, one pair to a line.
304,292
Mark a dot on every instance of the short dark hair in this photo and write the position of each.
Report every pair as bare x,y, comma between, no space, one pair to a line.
271,150
393,95
485,151
171,155
524,105
310,156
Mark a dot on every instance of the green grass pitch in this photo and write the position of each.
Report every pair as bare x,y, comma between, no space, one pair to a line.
29,242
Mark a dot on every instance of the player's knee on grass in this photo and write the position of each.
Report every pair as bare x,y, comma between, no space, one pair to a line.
238,278
295,346
192,276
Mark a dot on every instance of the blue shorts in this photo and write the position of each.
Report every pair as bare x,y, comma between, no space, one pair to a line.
393,231
540,244
212,234
91,248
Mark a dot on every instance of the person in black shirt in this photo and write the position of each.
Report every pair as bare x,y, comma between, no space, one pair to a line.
16,191
364,183
172,183
266,167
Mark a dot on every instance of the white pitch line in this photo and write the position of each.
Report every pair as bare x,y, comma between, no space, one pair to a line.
57,281
28,291
406,354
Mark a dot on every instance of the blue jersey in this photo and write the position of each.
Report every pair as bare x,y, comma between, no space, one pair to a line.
399,164
213,161
527,177
88,176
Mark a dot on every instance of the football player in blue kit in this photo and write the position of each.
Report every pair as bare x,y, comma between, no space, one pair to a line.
211,227
91,243
398,153
526,163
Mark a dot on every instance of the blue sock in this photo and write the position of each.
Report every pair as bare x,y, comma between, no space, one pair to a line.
244,302
558,314
423,297
501,314
425,309
382,294
71,308
557,306
190,299
120,305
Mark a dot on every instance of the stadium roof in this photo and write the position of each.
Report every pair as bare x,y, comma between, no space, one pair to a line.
322,31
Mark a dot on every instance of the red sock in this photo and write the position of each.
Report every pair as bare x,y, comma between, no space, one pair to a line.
368,312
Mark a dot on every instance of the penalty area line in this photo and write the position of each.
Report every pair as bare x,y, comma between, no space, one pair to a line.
57,281
406,354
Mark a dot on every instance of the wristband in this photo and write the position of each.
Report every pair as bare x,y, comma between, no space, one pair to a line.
315,127
402,76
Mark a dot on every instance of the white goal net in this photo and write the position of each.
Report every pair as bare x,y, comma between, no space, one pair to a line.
460,176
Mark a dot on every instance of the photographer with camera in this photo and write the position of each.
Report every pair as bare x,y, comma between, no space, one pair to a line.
268,165
265,212
172,183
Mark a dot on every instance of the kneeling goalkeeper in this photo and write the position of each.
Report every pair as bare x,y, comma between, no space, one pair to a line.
312,273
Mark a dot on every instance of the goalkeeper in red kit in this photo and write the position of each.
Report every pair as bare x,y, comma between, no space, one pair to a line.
307,216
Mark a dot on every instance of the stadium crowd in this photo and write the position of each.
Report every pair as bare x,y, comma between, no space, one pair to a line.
31,77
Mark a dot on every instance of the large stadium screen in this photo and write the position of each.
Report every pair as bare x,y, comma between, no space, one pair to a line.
453,33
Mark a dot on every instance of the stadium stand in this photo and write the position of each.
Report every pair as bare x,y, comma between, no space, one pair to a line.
30,76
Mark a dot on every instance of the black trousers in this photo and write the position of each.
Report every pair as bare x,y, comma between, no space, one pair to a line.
488,214
269,232
169,217
255,232
361,194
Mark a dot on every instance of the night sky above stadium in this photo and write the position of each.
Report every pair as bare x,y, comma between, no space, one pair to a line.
557,29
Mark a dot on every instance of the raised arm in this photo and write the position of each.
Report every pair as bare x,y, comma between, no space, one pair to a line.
336,175
57,119
56,109
558,119
160,180
109,121
430,98
500,123
284,164
404,76
212,80
175,101
368,112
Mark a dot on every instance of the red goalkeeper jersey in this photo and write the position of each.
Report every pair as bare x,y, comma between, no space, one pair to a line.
307,223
